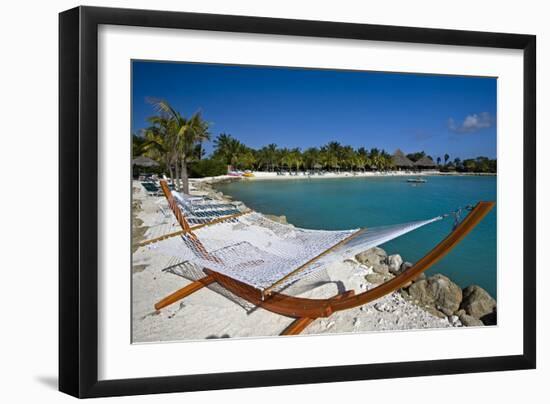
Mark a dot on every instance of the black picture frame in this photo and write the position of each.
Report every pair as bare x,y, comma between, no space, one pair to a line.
78,204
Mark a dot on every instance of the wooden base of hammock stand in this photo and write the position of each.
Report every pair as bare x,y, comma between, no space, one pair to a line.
300,324
297,326
305,310
184,292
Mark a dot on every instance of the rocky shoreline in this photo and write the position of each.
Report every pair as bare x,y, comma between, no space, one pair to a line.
437,294
471,306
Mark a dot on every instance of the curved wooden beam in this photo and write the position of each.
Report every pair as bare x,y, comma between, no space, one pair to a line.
313,308
279,303
174,206
297,326
184,292
436,254
300,324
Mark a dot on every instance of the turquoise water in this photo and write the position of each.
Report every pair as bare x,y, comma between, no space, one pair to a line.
366,202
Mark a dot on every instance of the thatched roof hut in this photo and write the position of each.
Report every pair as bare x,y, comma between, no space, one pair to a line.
425,162
144,161
399,160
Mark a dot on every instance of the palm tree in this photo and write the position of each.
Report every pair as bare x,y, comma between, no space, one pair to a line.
331,154
221,147
470,165
271,150
446,157
159,142
228,149
377,160
199,132
267,156
285,158
261,158
438,160
347,157
245,158
199,152
137,144
183,134
296,158
387,160
363,159
311,157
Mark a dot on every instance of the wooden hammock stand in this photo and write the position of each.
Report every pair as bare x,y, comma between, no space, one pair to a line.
305,310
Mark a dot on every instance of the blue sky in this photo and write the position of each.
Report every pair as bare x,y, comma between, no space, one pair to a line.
302,107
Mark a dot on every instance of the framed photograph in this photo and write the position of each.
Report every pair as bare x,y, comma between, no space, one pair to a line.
251,201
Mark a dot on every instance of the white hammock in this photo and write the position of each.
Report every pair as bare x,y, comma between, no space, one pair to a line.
267,255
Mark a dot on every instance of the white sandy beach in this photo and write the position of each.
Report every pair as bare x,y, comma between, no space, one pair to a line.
265,175
207,314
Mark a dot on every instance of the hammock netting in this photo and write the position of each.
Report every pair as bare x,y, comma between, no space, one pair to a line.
264,254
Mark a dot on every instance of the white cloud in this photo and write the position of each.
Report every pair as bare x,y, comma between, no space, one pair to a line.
471,123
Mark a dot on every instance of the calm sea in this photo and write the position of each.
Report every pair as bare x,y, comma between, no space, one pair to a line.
366,202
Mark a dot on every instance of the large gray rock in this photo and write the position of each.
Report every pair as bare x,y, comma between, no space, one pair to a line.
437,291
470,321
378,278
477,302
372,256
381,269
406,265
375,278
455,321
394,263
435,312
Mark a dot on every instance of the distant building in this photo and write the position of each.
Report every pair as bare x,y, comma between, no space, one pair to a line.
425,163
400,161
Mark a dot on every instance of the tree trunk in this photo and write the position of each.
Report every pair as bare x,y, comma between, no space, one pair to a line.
176,178
170,171
184,178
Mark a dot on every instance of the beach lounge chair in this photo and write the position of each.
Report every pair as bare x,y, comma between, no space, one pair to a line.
201,209
201,202
207,216
151,188
254,260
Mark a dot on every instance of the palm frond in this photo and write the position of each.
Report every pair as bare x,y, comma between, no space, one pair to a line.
163,106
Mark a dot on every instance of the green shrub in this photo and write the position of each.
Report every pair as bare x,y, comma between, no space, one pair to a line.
207,168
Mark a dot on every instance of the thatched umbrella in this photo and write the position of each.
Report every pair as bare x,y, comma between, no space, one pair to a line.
425,162
144,161
317,167
399,160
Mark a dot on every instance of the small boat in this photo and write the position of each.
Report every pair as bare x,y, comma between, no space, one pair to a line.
417,180
248,173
